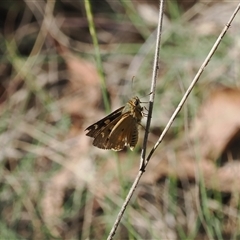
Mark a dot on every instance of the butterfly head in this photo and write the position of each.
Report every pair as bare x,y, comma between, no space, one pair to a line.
133,106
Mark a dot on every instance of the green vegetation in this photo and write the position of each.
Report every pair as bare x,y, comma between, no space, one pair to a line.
53,183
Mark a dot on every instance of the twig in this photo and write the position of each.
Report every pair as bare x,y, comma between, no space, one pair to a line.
140,173
193,83
153,86
151,100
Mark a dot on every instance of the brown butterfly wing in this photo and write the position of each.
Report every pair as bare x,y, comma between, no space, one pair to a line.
99,126
118,129
124,133
101,139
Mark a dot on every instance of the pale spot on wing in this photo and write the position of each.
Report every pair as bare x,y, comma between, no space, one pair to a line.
107,121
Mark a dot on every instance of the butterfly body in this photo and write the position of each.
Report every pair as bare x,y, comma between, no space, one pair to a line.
119,128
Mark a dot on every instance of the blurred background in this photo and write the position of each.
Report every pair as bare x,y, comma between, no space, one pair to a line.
54,183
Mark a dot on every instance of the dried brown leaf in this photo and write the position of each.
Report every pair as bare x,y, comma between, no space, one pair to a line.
217,123
214,134
83,93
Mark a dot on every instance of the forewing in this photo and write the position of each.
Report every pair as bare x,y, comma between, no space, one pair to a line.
99,126
124,133
101,139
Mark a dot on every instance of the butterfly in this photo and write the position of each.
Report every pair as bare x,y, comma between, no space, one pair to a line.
119,128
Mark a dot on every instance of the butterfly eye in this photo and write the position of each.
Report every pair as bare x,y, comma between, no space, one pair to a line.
137,101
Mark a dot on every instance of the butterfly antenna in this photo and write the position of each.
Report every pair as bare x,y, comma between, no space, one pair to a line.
132,83
147,95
